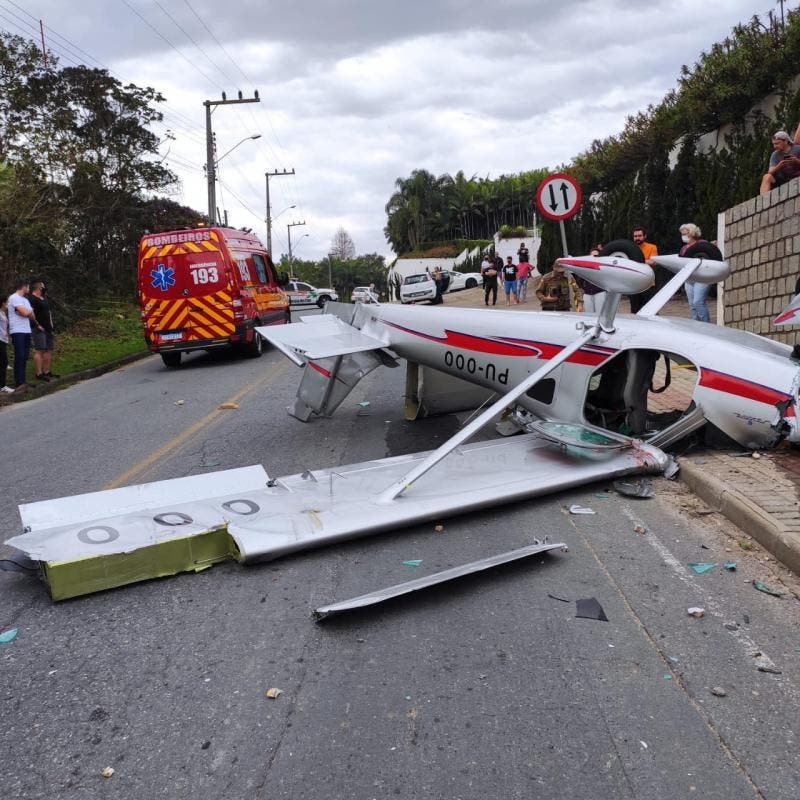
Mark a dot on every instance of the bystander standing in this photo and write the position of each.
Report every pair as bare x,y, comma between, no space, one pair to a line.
648,251
4,345
20,320
489,273
43,339
555,289
510,281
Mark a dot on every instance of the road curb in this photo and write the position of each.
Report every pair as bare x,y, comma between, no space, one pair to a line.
743,512
43,389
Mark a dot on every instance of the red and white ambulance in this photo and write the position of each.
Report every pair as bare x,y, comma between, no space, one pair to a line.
207,287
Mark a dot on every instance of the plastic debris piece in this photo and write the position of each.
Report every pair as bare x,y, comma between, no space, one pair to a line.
696,611
732,626
412,562
718,691
673,659
667,676
701,567
438,528
561,599
363,403
6,637
643,744
590,608
770,667
764,588
228,406
641,488
274,693
602,495
576,509
756,455
730,566
640,529
179,402
107,772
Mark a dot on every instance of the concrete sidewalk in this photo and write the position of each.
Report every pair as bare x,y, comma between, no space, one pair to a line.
759,493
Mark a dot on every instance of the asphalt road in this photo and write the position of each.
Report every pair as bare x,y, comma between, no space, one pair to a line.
487,688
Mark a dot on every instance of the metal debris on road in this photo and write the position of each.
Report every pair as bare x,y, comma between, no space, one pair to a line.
107,772
179,402
701,567
576,509
696,611
640,529
590,608
764,588
6,637
642,488
730,566
399,589
228,406
274,693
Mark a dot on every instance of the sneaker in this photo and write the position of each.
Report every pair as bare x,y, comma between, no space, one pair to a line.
21,389
6,390
52,375
43,378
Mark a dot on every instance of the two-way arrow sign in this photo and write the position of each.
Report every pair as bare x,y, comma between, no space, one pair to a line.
558,197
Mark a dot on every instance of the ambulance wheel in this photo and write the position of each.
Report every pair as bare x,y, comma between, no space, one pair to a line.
625,248
253,349
322,299
171,359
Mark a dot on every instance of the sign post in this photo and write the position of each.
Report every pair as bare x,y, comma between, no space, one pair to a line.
558,198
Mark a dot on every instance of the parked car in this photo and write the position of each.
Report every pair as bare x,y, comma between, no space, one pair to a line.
301,293
364,294
463,280
416,288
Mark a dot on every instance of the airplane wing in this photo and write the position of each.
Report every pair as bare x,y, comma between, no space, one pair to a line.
319,336
98,541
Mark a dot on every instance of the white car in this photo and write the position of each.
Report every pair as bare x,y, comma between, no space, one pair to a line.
463,280
301,293
416,288
364,294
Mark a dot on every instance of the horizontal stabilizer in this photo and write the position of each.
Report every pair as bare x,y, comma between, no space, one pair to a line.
319,336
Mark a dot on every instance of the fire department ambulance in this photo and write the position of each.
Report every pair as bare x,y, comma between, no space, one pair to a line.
205,288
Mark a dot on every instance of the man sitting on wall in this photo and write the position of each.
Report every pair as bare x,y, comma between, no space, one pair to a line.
784,163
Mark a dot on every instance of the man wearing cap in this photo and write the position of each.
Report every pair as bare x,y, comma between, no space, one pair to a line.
784,163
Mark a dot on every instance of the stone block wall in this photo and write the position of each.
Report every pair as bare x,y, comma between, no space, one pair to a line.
761,241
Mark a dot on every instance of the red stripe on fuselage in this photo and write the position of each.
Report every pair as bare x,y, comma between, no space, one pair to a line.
730,384
505,346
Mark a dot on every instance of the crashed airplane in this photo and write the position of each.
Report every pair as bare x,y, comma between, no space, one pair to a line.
574,387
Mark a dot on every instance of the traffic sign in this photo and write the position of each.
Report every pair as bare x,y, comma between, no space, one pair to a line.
558,197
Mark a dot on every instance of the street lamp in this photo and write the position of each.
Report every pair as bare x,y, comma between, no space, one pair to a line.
228,152
289,227
211,171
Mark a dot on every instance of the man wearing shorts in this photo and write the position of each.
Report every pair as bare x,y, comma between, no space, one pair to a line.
510,280
42,338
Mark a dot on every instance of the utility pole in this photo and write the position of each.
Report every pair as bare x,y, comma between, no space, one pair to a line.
267,175
211,169
289,227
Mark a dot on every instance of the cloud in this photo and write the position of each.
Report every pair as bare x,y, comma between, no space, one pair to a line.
357,93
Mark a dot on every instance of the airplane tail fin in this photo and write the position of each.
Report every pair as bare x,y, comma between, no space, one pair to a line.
791,314
335,356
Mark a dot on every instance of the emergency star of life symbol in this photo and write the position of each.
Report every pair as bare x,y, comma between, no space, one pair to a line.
162,277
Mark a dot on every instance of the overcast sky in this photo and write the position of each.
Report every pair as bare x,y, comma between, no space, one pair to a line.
356,93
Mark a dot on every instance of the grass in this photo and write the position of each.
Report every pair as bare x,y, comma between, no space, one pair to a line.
105,334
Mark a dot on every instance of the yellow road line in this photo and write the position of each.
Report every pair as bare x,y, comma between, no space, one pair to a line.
174,444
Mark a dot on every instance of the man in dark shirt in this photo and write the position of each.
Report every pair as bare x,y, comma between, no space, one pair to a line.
43,338
523,254
510,280
784,163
